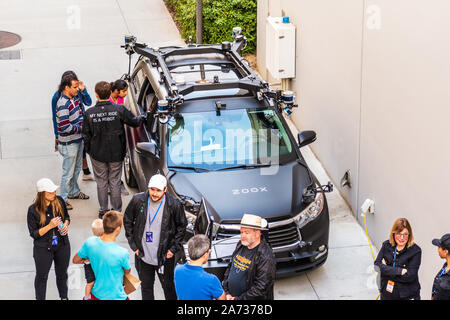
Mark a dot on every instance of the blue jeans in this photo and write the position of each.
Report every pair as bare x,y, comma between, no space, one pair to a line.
71,167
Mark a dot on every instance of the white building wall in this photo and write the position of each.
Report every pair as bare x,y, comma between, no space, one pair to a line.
373,80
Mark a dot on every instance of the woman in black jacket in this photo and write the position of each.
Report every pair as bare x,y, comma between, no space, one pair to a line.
398,263
48,223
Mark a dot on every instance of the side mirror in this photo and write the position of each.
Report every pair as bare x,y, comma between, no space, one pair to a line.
147,149
306,137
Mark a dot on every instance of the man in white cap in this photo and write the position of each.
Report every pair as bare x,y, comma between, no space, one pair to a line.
250,275
155,225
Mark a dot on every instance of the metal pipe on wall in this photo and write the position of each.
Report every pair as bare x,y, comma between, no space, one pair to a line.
199,22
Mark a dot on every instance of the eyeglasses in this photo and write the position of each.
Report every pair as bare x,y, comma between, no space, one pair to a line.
402,235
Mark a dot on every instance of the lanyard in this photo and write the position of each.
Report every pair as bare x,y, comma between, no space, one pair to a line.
149,213
442,272
395,256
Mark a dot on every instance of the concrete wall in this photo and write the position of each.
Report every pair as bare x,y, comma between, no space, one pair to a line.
372,79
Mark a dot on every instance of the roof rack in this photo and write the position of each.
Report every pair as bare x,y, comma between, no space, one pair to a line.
231,51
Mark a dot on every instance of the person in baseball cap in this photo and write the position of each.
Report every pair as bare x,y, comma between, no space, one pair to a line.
155,226
46,184
443,242
441,284
157,186
48,224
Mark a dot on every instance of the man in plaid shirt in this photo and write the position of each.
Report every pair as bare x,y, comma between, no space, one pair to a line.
69,118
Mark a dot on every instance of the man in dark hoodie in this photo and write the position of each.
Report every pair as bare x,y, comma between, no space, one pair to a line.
250,275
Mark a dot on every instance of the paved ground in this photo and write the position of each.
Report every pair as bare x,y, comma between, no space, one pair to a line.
85,36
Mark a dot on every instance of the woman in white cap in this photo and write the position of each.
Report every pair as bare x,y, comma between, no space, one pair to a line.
48,223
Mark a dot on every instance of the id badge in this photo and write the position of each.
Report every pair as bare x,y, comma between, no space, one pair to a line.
390,286
149,236
55,241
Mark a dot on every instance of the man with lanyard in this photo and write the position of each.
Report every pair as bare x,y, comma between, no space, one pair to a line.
441,285
155,225
250,275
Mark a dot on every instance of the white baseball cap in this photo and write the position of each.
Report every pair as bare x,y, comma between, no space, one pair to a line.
46,184
157,181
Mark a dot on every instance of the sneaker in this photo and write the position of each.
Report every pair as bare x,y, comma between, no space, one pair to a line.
87,177
101,213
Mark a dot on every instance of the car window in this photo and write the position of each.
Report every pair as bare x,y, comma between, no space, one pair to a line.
137,81
152,122
148,99
204,73
217,93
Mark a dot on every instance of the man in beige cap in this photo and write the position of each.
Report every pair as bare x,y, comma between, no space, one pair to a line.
250,275
155,225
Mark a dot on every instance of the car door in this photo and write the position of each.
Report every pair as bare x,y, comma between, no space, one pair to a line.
148,164
137,85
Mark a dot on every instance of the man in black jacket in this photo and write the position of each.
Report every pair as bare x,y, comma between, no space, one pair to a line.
155,225
250,275
104,139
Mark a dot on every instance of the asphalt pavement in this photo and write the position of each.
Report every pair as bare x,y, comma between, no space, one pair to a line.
85,36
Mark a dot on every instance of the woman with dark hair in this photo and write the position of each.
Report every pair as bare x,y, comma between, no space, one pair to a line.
85,100
48,224
441,284
398,264
118,91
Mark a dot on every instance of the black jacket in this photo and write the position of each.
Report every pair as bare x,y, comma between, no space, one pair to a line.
34,224
173,225
441,285
409,258
260,275
103,131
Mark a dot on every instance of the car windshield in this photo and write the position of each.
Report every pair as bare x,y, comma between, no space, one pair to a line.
240,137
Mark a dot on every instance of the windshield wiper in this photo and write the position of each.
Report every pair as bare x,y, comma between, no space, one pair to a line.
196,169
246,166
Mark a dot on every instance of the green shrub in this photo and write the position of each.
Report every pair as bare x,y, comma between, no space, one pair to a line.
219,18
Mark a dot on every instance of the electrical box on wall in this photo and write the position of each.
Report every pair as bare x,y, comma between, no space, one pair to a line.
280,47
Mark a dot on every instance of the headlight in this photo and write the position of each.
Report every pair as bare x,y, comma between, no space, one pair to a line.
311,212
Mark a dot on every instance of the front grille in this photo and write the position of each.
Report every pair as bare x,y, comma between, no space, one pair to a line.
283,235
277,236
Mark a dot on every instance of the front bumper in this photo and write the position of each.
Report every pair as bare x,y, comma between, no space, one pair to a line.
310,252
299,262
306,254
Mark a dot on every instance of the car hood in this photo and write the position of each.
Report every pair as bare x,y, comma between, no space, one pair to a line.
271,193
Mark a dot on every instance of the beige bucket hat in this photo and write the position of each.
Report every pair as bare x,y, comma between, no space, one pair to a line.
254,221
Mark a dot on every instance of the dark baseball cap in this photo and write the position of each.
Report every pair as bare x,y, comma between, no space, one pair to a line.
443,242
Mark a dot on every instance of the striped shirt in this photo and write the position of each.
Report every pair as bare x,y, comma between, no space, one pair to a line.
69,119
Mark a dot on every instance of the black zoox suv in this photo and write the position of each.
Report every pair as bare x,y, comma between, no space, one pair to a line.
216,130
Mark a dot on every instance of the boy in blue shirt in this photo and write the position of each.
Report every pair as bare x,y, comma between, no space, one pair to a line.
191,281
109,261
